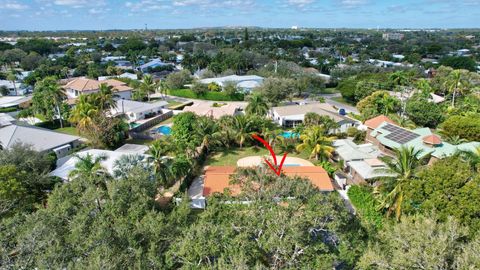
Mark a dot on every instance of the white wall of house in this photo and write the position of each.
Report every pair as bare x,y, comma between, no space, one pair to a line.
124,94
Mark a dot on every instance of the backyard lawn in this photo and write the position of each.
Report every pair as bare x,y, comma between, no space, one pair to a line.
231,155
68,130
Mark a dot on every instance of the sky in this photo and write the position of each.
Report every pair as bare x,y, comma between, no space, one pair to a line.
172,14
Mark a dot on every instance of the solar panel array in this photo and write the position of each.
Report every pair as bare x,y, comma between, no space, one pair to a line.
399,135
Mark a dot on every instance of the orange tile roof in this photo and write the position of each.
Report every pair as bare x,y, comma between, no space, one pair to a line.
84,84
317,175
375,122
217,178
432,139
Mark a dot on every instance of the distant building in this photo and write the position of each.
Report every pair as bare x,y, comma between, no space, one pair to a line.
294,115
393,36
246,83
21,89
84,86
153,64
203,109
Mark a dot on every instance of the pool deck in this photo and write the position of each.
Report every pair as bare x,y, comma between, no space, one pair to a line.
254,161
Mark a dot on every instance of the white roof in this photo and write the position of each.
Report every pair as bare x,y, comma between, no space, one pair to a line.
248,84
232,78
132,149
348,150
129,75
131,106
10,85
40,139
366,170
6,119
67,164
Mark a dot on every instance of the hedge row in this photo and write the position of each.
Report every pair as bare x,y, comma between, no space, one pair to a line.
214,96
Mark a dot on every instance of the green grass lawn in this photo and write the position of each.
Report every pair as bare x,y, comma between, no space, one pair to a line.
68,130
230,156
342,100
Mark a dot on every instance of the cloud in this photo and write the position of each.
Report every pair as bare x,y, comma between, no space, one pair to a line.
353,3
146,5
13,6
299,3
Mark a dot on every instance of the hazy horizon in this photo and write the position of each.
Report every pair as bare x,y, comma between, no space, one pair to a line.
78,15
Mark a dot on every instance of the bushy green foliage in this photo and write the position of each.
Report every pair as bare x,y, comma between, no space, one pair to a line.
215,96
377,103
366,207
450,187
459,62
424,113
465,127
422,241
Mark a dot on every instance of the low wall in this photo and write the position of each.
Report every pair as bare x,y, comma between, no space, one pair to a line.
152,122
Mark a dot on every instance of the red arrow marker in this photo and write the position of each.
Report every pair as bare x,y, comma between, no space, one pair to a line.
277,170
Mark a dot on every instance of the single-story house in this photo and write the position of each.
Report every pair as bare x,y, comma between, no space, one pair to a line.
217,179
135,110
153,64
84,86
204,109
15,101
22,89
128,75
361,162
246,83
387,135
67,164
293,115
41,140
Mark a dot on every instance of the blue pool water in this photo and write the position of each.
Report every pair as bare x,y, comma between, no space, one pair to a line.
165,130
289,134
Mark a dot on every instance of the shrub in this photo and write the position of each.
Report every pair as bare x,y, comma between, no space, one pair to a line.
365,204
215,96
465,127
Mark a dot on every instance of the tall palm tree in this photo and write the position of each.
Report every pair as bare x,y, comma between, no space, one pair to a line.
314,140
162,164
424,86
148,85
54,93
106,97
84,113
257,105
388,104
455,83
402,168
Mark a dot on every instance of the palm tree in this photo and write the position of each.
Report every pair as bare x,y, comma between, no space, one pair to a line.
399,78
388,104
84,113
162,164
148,85
242,129
455,83
472,157
424,86
402,121
402,168
455,139
314,140
210,133
105,97
257,105
286,145
54,93
88,166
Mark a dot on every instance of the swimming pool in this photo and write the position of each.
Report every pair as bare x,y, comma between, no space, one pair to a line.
289,134
165,130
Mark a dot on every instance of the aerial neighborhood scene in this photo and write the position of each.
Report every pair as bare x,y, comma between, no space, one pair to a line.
256,134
